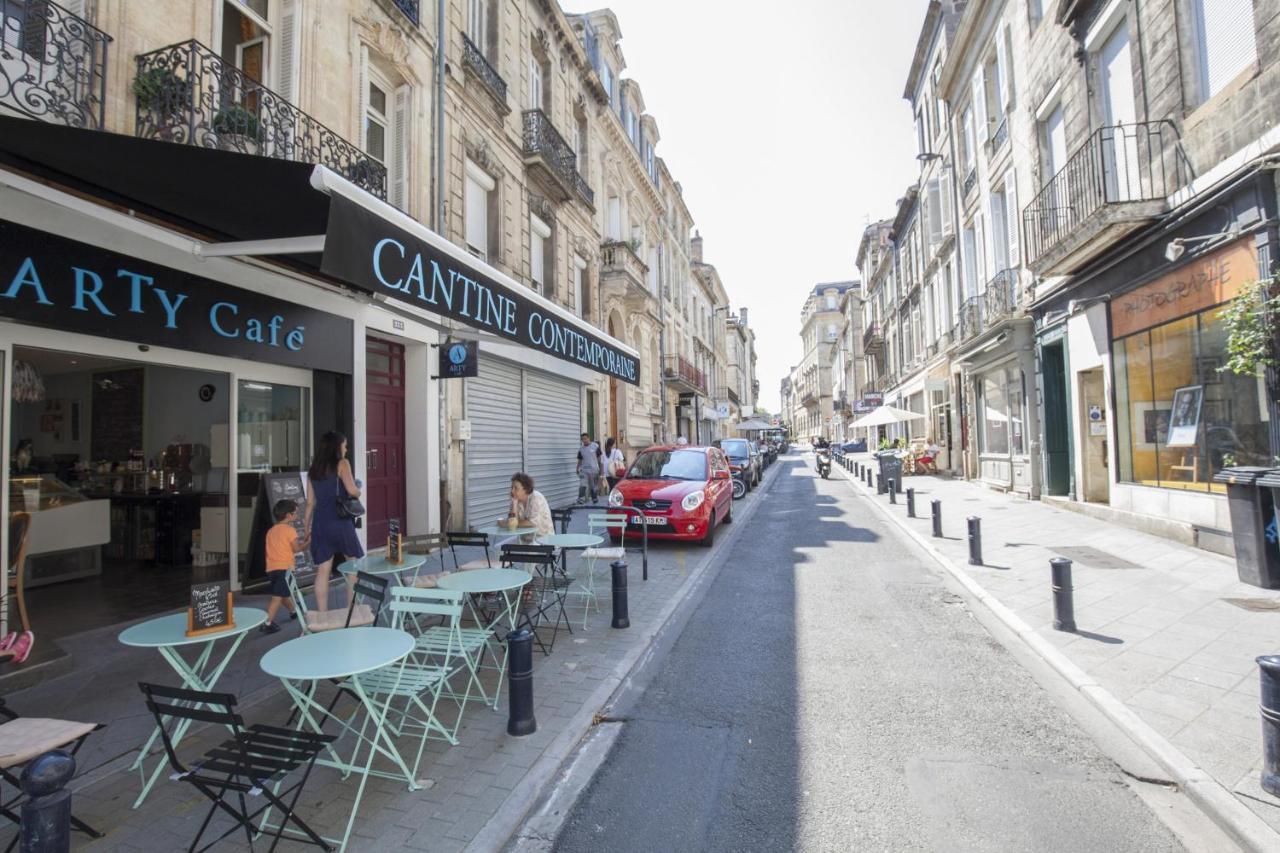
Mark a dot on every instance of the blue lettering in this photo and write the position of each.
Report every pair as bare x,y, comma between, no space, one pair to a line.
415,275
170,307
135,298
83,276
377,261
274,326
509,316
534,338
295,340
27,276
253,331
213,319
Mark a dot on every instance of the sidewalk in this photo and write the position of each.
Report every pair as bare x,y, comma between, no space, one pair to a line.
1165,629
474,794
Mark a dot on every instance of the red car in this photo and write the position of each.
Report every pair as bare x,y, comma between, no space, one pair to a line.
684,492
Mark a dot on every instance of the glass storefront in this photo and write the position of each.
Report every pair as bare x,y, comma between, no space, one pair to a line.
1002,425
1179,418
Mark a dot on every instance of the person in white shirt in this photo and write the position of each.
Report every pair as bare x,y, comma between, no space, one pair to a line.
529,506
615,464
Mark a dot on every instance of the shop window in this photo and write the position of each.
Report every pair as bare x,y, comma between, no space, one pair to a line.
1017,435
273,426
994,419
1179,418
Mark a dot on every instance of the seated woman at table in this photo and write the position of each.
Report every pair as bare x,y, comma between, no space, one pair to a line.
528,507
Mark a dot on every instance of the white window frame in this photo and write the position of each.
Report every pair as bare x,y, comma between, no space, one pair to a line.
579,286
1240,47
539,234
475,220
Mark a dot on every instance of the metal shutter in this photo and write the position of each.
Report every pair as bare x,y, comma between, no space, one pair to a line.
1228,44
493,453
553,424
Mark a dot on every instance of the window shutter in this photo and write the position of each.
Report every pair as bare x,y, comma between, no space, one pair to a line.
1013,218
362,106
75,7
1228,44
476,203
535,84
980,106
944,200
398,168
1002,71
287,79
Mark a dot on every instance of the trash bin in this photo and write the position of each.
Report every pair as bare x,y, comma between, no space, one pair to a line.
890,467
1253,522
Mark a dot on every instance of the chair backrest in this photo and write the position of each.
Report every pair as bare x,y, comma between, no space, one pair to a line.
428,544
372,589
562,518
466,539
299,600
604,523
520,553
408,602
170,705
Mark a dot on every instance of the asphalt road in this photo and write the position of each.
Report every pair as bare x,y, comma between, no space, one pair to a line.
829,693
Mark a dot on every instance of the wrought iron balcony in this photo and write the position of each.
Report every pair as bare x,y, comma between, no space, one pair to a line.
1000,298
473,59
678,370
970,181
409,7
186,93
809,398
999,137
970,318
52,64
546,152
1116,182
872,339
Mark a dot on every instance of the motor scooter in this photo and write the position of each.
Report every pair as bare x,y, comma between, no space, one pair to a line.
824,462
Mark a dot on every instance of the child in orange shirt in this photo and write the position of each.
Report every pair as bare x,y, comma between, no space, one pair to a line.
282,544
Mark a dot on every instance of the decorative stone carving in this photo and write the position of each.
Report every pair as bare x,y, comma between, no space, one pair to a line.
388,41
477,147
541,208
543,41
584,248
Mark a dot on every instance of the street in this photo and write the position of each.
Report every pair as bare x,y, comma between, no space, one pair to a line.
830,693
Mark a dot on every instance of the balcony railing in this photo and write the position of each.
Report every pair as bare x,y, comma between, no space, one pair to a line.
188,94
970,317
872,338
998,137
679,369
409,7
545,147
1120,174
473,59
970,181
617,256
52,64
1000,299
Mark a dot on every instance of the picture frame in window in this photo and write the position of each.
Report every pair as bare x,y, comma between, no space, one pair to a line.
1152,424
1184,422
1210,368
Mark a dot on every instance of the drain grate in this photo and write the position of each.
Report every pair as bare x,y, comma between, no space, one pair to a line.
1093,557
1258,605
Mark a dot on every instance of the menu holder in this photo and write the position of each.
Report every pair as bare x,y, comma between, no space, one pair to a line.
212,610
395,554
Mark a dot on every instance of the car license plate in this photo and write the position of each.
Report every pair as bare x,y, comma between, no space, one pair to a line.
650,520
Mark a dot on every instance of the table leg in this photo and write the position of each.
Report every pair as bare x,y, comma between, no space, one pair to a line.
512,600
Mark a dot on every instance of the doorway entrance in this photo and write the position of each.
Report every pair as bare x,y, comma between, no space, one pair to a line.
1057,422
1093,413
384,489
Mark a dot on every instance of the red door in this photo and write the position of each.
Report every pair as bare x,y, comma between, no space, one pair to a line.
384,438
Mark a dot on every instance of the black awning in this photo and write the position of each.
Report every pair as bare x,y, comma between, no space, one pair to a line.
233,197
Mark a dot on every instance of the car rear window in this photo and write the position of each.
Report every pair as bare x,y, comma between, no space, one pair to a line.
735,446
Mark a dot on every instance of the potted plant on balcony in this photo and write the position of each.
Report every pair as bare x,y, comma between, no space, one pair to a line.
164,95
237,129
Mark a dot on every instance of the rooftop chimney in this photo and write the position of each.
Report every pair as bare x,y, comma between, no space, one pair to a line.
696,244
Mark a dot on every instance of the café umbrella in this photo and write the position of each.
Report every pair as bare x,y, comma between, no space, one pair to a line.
753,425
884,416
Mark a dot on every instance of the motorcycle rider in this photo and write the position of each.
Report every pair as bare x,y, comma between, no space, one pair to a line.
822,450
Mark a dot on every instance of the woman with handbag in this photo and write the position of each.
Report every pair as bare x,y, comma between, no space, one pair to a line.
615,464
333,504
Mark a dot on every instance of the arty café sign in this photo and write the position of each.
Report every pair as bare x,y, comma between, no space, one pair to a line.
53,282
368,252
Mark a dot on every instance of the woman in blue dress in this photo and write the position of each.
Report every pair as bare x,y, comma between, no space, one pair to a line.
330,534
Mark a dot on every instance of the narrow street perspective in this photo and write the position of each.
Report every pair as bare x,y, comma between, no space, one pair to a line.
830,693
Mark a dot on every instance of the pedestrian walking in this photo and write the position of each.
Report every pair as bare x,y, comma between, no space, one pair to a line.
615,462
590,465
332,533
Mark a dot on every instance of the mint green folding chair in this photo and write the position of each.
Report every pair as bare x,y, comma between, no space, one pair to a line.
464,646
598,524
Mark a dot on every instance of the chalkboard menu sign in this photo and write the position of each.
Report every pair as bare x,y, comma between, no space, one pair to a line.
211,608
115,422
394,554
285,485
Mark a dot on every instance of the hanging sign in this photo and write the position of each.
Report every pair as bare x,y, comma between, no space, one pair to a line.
368,252
459,359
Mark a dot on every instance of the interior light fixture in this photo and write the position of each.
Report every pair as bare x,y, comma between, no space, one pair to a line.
256,386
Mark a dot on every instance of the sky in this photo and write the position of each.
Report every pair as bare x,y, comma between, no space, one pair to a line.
785,125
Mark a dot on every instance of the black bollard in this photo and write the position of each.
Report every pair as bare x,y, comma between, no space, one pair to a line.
1269,669
46,814
898,484
880,484
893,491
911,503
620,617
1064,608
975,541
520,720
935,507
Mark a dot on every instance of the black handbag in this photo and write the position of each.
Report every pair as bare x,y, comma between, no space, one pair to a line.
349,506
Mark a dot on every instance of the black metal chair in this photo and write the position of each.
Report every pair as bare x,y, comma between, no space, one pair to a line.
427,544
545,593
23,739
465,539
253,761
562,518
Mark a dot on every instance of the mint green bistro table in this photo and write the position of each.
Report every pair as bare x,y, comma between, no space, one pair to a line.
166,634
378,564
505,582
345,655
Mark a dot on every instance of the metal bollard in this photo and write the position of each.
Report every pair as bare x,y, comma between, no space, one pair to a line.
46,815
975,540
1269,669
1064,608
620,617
893,491
880,484
935,507
898,484
911,503
520,720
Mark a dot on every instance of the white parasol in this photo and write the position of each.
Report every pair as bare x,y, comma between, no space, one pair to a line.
753,424
886,415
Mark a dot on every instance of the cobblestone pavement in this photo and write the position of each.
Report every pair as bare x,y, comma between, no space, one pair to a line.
1165,628
474,792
